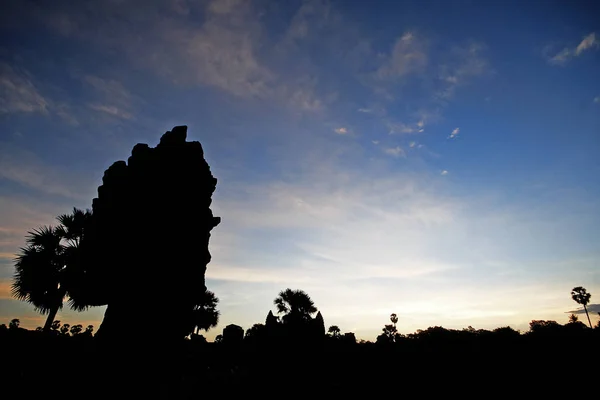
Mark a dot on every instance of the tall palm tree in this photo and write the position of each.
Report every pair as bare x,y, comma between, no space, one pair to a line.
295,305
38,270
73,228
44,268
581,296
206,315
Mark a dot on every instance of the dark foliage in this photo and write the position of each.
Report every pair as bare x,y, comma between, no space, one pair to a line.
438,360
48,267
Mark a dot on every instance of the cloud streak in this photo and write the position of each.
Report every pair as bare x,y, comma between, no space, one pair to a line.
25,168
222,51
394,151
18,94
454,133
589,42
110,110
407,56
592,309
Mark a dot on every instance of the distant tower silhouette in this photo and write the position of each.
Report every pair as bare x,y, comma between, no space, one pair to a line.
271,320
318,325
233,334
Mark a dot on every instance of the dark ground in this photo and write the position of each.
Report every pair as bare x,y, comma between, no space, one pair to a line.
37,367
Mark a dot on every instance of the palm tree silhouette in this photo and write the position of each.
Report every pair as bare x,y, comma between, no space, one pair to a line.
205,314
45,267
296,305
73,228
581,296
394,319
38,270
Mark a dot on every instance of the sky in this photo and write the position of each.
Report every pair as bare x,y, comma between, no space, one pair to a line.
434,159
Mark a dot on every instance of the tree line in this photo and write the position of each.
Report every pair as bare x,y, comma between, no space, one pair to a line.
299,321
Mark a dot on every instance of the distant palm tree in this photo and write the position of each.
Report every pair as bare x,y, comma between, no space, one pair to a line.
581,296
45,266
573,319
394,319
296,305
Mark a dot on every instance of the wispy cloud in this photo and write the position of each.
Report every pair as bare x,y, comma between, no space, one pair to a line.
19,214
110,97
110,110
561,57
589,42
225,50
221,53
463,64
367,215
444,172
5,289
597,99
18,93
394,151
433,78
27,169
341,131
454,133
310,18
592,308
399,127
109,87
407,56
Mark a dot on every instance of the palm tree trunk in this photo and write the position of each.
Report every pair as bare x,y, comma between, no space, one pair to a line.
54,310
588,316
50,319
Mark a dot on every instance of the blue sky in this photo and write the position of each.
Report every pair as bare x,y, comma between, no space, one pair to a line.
435,159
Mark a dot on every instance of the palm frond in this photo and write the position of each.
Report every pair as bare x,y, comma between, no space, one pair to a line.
295,302
37,269
76,304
